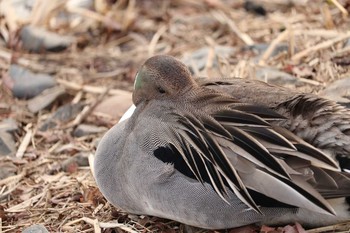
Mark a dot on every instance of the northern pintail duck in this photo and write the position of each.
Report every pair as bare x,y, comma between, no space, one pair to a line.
215,159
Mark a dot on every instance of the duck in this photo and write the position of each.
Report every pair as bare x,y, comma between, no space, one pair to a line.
215,159
321,122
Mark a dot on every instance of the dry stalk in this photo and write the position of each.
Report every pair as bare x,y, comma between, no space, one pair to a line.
320,46
281,37
224,19
25,142
90,89
340,7
155,39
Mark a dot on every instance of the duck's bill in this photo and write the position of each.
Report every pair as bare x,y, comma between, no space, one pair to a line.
128,113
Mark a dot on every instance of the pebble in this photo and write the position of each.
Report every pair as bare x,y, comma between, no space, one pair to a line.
7,144
8,125
71,164
274,76
38,228
35,39
45,98
114,106
25,84
338,91
63,114
254,7
7,170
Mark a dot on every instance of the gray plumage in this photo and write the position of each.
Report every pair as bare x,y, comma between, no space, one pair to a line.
211,159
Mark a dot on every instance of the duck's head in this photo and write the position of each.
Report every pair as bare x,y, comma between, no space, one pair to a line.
160,77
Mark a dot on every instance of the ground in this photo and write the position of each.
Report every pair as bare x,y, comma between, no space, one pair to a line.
46,179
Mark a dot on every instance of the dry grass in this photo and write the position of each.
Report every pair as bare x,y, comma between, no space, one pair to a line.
111,43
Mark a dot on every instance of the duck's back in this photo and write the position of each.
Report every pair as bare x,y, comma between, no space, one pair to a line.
321,122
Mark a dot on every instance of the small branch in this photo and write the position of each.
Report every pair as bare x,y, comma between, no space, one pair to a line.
224,19
320,46
25,142
86,111
93,15
90,89
340,7
155,39
272,46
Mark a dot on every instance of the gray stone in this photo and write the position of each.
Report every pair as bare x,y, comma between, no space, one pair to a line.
45,98
114,106
63,114
347,43
7,144
338,91
36,229
274,76
26,84
8,125
71,164
37,39
7,170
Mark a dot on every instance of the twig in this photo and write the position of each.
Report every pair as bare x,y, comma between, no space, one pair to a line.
93,15
272,46
25,142
109,74
211,54
310,81
10,183
320,46
155,39
340,7
222,17
90,89
7,55
318,32
86,111
23,205
102,224
341,51
333,228
96,225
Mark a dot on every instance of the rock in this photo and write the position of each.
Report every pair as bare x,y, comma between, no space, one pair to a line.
25,84
37,39
114,106
38,228
8,125
63,114
7,144
7,170
71,164
44,99
84,130
338,91
197,60
274,76
254,7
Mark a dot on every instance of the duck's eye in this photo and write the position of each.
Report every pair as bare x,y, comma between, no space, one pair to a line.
160,90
